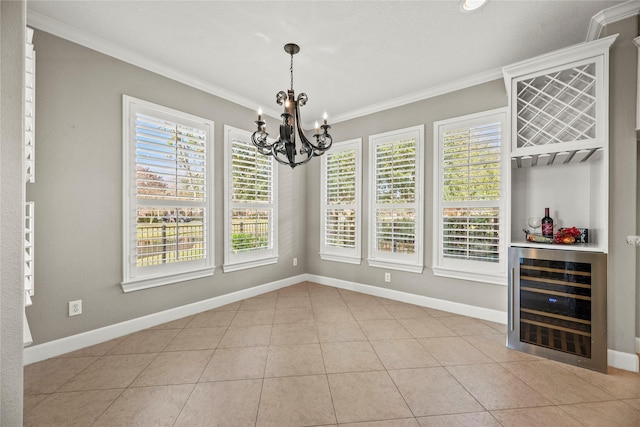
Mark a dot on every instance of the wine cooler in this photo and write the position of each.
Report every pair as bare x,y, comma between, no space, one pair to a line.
558,305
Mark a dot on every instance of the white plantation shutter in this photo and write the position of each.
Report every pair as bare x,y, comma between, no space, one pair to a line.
471,233
396,182
29,108
471,182
252,174
340,222
170,188
471,163
28,164
471,199
250,227
395,185
28,255
176,156
168,208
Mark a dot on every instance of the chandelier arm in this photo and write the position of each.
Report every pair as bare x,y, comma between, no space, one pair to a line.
290,163
280,97
259,139
302,99
303,138
306,143
322,139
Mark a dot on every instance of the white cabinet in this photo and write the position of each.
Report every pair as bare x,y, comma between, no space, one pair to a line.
559,105
559,111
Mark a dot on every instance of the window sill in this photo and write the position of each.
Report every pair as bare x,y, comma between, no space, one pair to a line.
411,268
229,267
340,258
167,279
475,276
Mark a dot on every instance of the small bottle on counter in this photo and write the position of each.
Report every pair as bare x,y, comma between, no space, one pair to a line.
547,224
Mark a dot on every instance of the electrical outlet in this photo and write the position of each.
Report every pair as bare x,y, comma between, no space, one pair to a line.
75,307
295,262
387,277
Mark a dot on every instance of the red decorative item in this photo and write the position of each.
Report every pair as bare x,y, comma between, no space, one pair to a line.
567,235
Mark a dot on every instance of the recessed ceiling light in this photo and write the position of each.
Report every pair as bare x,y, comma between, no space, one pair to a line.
470,5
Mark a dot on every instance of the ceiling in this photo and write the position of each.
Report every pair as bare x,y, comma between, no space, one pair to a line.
356,57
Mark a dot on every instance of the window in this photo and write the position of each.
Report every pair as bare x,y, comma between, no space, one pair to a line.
395,208
250,213
340,216
470,214
168,200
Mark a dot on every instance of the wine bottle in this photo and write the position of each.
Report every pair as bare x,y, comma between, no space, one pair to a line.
547,224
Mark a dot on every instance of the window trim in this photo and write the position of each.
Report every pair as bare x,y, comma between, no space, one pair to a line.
414,263
236,262
178,272
476,271
350,256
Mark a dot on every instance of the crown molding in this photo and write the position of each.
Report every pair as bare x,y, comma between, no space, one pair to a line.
459,84
46,24
610,15
43,23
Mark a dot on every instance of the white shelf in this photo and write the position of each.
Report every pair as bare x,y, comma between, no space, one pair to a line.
579,247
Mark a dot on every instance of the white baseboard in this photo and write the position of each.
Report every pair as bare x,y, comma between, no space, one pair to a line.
616,359
438,304
621,360
61,346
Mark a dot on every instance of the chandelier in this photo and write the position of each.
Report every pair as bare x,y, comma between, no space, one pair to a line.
284,148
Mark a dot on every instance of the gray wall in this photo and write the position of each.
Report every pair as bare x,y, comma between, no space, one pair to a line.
471,100
78,192
12,39
622,280
622,291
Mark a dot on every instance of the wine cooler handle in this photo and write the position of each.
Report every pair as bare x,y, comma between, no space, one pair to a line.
512,307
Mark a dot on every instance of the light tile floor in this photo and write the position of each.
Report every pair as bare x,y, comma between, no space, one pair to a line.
312,355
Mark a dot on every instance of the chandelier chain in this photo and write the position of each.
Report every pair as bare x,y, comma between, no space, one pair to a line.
291,70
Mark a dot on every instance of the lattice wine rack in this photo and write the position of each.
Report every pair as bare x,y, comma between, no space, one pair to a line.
557,107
